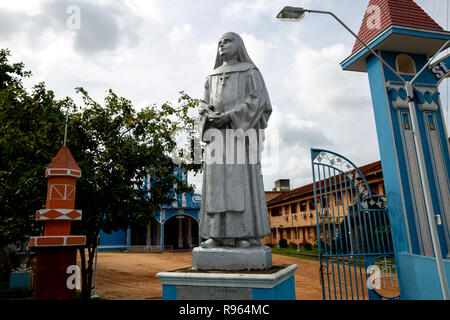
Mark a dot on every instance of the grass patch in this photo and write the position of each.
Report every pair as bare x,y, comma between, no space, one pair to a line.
291,252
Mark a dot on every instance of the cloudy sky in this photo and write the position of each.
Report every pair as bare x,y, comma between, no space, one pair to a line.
149,50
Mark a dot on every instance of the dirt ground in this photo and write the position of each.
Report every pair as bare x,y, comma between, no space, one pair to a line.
132,275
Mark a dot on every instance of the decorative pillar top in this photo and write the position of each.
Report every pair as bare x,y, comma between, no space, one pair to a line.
397,26
63,165
60,205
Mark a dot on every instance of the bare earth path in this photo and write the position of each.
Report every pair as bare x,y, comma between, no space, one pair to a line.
132,275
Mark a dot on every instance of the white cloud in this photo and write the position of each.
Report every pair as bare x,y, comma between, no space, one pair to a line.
30,7
206,55
321,85
251,10
180,32
146,9
256,48
158,48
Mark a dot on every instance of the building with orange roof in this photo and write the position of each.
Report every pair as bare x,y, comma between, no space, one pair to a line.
292,213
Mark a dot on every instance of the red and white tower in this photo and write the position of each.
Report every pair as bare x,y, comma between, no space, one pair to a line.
56,248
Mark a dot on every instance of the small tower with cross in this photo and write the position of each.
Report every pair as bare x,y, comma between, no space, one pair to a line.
56,248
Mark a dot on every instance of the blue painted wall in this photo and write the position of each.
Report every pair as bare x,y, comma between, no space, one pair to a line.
113,241
418,277
421,276
283,291
190,206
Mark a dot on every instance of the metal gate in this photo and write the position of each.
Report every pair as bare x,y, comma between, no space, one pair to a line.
353,232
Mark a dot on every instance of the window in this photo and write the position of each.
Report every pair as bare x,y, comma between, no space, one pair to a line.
312,205
288,233
303,206
276,211
293,208
286,209
374,188
405,64
325,200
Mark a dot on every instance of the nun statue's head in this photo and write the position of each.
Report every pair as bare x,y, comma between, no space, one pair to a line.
231,47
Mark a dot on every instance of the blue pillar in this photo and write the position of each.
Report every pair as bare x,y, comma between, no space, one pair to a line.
405,189
128,238
162,237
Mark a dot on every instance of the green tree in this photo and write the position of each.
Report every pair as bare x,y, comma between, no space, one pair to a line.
116,147
31,125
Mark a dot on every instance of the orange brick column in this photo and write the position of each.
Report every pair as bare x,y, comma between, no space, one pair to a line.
56,248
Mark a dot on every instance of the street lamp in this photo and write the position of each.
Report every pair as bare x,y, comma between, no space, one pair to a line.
95,296
296,229
276,232
297,14
291,14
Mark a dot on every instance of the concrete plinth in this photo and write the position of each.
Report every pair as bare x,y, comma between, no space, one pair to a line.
276,283
51,273
21,280
224,258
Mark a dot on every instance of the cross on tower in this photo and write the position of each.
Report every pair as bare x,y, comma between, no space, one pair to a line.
65,128
223,78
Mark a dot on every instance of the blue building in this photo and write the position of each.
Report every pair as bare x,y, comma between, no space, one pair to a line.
175,228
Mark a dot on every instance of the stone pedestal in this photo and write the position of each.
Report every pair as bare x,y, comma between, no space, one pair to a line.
51,273
21,280
224,258
275,283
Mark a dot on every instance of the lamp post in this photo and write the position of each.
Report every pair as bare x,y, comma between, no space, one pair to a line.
296,229
296,14
95,296
276,232
285,218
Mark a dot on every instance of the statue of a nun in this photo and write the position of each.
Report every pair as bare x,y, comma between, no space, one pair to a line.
234,111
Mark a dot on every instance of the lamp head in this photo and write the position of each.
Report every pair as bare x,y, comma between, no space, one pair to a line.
291,14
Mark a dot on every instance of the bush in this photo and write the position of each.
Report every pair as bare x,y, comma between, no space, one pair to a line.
283,243
307,246
292,245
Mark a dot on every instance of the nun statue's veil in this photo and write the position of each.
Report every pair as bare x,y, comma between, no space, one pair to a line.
241,51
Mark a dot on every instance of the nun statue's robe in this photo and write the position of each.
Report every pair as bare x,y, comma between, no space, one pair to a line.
233,199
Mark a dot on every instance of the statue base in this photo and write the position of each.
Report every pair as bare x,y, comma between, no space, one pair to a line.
21,280
230,258
275,283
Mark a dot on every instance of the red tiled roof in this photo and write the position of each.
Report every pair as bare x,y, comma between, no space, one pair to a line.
401,12
366,170
64,159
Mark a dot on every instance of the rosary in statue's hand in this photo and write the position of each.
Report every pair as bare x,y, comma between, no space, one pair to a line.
219,119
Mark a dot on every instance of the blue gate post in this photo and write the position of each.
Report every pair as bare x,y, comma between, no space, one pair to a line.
405,38
128,239
162,236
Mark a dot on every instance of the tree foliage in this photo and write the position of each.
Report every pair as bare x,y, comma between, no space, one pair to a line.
31,127
125,157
